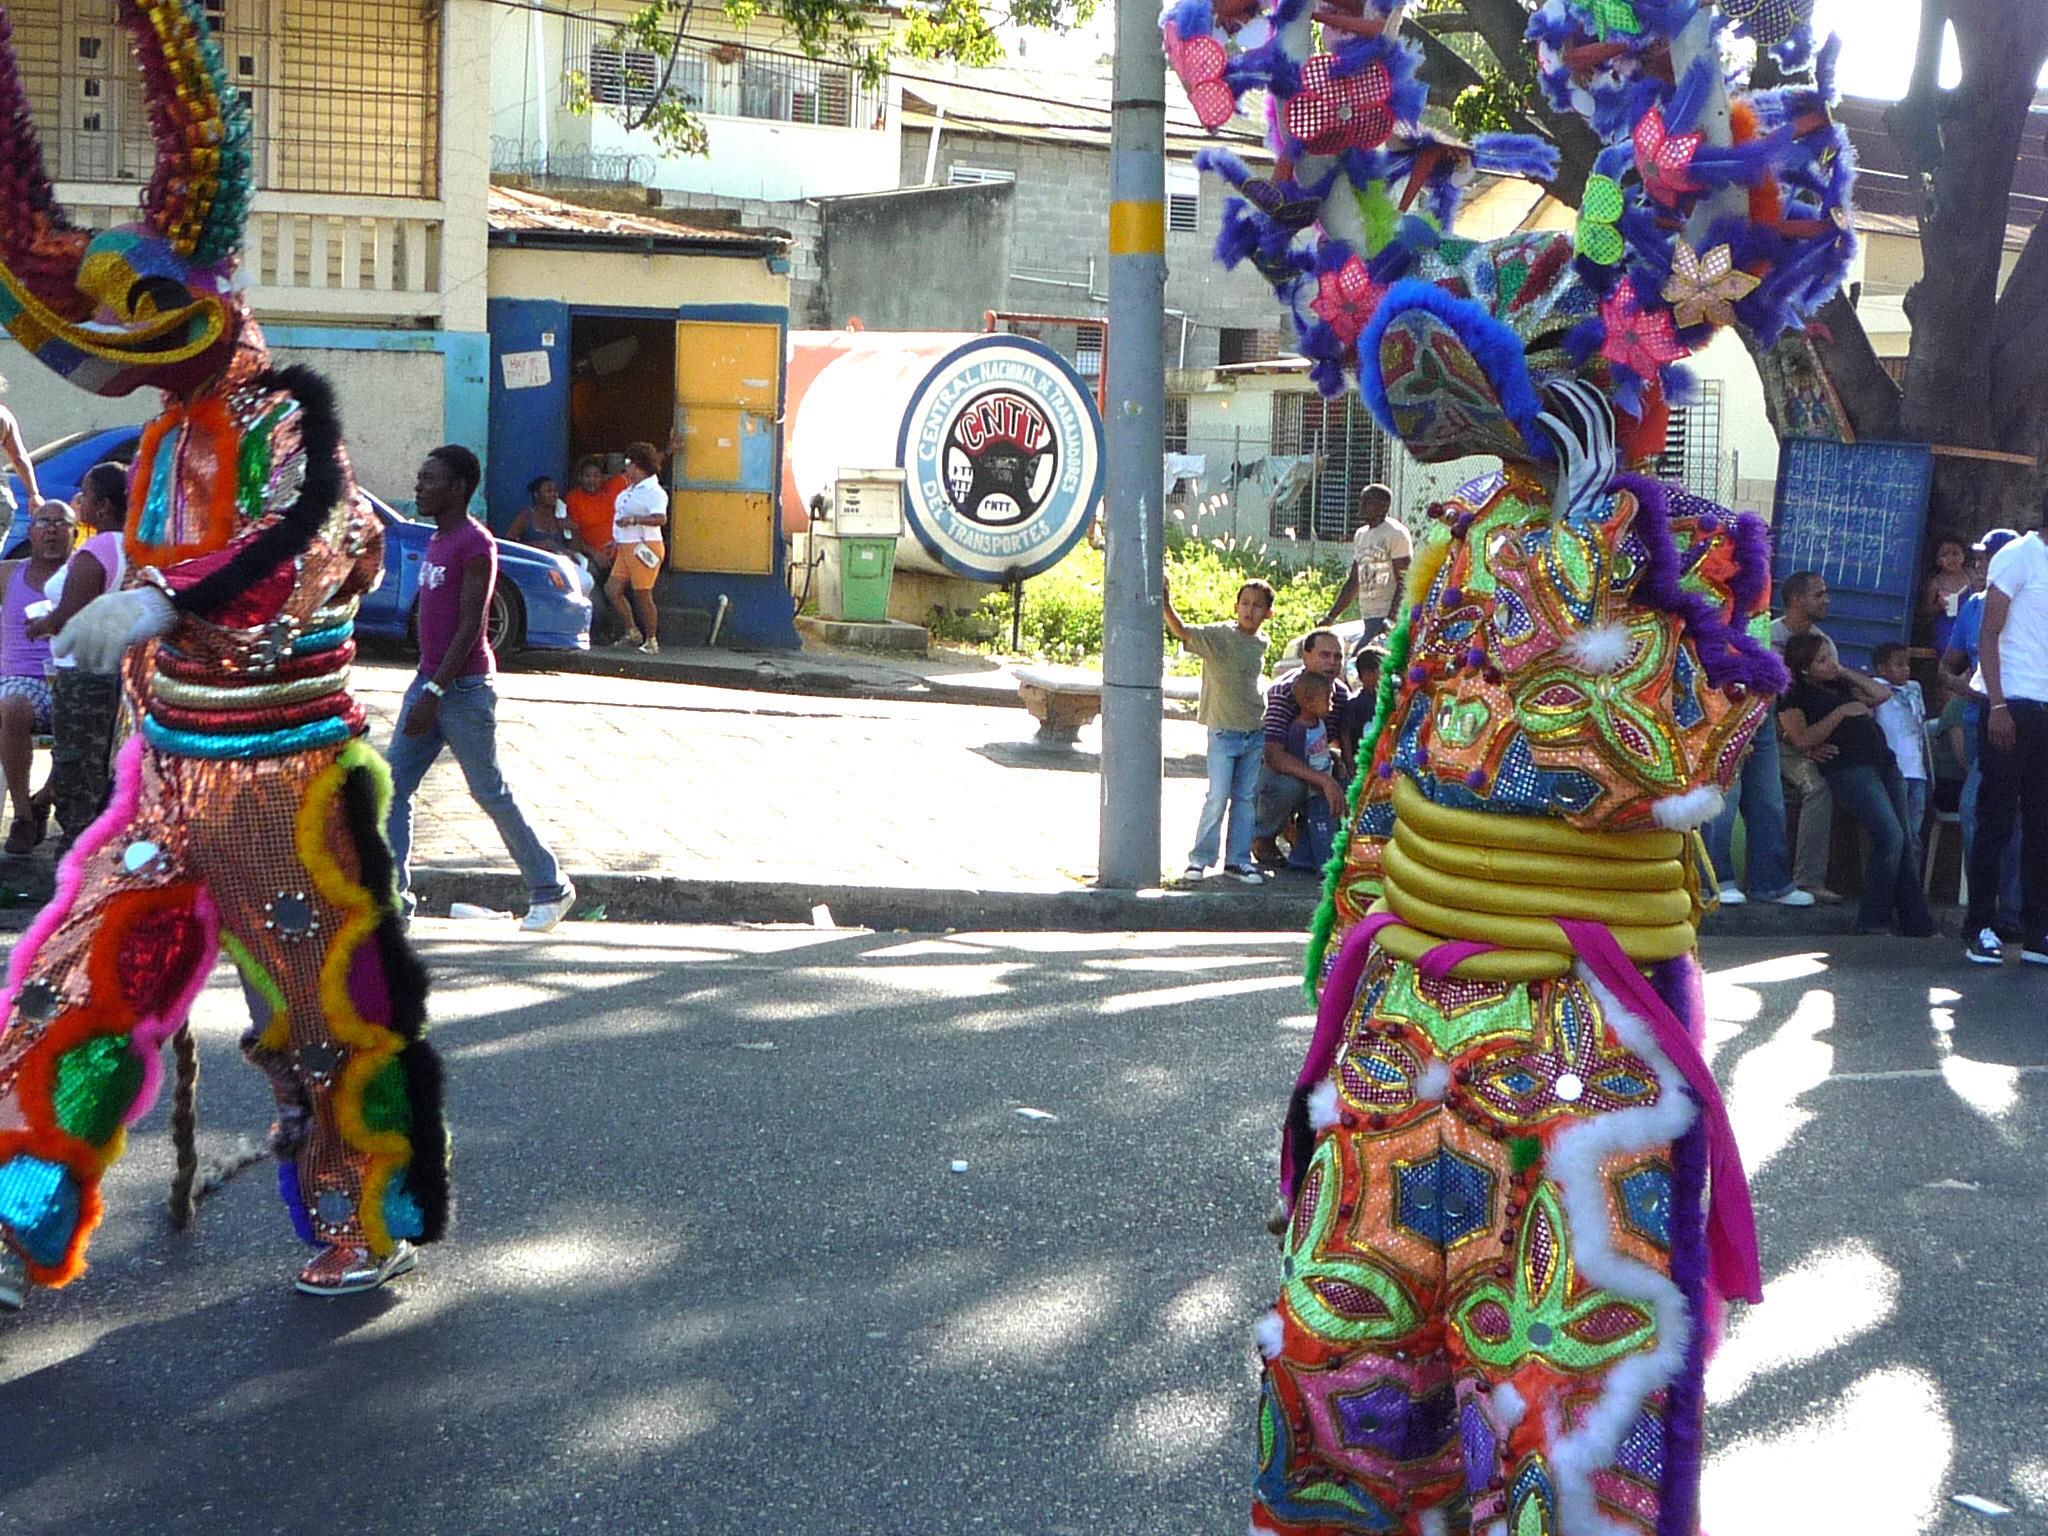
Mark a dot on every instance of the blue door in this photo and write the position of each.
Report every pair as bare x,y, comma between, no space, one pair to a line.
529,400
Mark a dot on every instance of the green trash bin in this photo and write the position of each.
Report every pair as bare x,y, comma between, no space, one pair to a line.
866,567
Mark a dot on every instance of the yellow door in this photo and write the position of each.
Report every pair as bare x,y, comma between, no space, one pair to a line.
722,502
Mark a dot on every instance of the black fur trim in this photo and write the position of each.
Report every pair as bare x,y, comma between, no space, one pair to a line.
1301,1138
426,1176
320,433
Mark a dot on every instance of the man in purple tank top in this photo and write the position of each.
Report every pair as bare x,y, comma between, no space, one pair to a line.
451,702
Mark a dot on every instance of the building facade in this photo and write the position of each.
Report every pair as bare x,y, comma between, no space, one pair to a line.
366,245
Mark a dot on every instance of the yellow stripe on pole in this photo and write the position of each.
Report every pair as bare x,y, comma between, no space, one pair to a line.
1137,229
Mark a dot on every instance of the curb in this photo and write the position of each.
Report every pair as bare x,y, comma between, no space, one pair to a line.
1274,908
1284,906
770,677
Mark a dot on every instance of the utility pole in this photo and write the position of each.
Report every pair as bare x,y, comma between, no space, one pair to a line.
1133,640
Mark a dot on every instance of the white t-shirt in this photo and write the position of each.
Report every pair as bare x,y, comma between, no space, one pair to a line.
636,501
1904,719
2020,571
1374,550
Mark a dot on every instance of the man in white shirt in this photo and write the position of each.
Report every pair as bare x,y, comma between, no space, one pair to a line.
1380,552
2012,676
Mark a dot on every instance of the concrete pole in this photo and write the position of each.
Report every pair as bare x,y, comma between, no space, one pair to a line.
1133,639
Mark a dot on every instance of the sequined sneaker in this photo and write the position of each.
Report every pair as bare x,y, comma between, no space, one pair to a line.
13,1280
342,1270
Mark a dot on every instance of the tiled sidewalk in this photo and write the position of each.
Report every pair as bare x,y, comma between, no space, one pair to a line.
676,780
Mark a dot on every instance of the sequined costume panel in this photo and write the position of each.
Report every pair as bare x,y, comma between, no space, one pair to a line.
1478,1320
264,861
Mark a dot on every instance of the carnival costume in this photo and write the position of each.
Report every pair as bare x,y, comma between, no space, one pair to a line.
247,812
1514,1205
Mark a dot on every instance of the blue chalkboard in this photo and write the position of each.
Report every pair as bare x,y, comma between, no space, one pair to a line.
1855,512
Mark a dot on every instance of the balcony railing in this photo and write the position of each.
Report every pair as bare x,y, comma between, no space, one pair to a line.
728,81
311,255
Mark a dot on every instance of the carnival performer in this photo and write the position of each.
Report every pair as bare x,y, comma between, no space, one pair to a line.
247,812
1513,1201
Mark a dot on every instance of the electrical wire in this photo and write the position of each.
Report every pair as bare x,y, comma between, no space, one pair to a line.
543,9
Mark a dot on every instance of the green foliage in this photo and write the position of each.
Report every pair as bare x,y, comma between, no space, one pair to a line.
1063,608
1491,107
845,31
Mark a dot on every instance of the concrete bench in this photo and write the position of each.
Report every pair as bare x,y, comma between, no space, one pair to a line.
1061,700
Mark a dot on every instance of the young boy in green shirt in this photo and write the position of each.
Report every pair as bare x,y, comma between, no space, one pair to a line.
1234,710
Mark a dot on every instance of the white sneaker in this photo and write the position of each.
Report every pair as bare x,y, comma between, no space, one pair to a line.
1245,873
1194,872
543,915
1794,898
1731,896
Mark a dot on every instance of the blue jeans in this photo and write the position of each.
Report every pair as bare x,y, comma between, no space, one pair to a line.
1917,791
2008,909
1876,798
1235,758
1760,796
468,727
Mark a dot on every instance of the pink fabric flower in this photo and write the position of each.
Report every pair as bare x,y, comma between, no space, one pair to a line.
1638,339
1345,300
1664,159
1199,62
1334,113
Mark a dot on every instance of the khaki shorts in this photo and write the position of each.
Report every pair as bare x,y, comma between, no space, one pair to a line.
639,574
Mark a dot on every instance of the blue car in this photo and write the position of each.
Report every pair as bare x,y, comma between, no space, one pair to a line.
539,602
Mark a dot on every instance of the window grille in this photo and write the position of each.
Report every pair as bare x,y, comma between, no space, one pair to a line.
1328,452
622,77
1183,199
1088,345
343,95
1692,444
978,176
726,81
1176,423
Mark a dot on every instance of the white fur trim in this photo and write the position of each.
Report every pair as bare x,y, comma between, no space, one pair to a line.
1322,1106
1271,1333
1573,1164
1601,650
1433,1081
1694,808
1509,1407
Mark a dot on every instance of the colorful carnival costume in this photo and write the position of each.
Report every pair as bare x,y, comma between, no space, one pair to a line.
1514,1204
247,812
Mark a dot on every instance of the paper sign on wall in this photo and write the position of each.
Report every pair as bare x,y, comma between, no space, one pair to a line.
526,370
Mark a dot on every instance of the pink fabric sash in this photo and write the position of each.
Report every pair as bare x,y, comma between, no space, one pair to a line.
1732,1263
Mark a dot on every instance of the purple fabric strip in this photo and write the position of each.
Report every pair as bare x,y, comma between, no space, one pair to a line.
1732,1263
1678,983
1340,986
1438,962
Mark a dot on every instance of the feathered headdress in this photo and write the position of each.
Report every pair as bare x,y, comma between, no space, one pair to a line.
1709,205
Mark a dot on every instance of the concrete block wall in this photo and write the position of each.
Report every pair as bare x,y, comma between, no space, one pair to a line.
799,217
1062,221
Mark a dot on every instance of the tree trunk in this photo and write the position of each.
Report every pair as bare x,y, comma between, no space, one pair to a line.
1952,393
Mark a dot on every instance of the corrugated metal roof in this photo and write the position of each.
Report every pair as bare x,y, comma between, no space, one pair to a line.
515,211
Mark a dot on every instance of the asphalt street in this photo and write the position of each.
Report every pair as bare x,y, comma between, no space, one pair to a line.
715,1270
